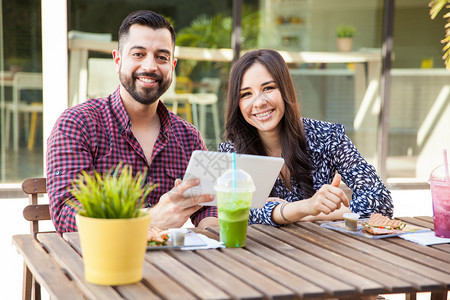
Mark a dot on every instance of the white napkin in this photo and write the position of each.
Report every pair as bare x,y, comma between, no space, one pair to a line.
424,238
209,243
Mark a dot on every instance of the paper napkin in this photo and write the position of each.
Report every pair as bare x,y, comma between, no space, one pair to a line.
424,238
207,243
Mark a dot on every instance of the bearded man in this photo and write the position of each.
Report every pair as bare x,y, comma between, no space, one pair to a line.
131,126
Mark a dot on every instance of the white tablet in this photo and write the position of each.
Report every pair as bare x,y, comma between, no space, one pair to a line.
209,165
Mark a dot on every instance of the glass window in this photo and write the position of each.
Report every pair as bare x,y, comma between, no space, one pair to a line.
420,93
348,92
331,85
21,91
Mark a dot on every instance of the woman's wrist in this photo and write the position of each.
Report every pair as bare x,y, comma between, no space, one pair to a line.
281,212
281,215
290,212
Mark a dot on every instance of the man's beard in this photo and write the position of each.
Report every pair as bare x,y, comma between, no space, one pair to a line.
145,95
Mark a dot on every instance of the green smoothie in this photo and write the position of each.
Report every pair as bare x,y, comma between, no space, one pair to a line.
233,210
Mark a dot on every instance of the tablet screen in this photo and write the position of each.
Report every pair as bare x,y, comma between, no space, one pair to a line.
209,165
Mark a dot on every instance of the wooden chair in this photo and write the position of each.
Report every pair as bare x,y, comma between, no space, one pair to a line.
34,213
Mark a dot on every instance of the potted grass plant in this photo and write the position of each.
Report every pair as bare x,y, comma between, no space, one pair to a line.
112,224
344,38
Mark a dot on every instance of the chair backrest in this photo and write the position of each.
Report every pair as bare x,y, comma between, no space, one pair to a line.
35,212
25,81
210,85
102,77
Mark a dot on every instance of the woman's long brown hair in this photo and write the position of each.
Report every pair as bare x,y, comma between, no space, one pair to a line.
246,138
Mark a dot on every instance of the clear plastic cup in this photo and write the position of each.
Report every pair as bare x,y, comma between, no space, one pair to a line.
234,192
177,236
440,195
351,221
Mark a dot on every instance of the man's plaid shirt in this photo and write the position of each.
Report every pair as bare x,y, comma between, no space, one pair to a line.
96,135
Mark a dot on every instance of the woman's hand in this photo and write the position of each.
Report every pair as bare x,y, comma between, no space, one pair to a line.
173,210
328,198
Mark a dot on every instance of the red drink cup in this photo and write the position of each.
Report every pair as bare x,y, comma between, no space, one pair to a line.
440,195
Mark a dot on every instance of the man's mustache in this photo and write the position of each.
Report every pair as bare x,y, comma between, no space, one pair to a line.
152,75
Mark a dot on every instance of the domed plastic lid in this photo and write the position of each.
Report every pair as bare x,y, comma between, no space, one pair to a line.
244,182
438,174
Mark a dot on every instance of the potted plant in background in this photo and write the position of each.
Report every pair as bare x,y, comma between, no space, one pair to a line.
344,38
111,224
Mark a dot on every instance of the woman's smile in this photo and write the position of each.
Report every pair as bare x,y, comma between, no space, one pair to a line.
265,115
261,102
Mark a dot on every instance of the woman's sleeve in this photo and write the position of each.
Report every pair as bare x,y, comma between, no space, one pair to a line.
263,215
370,195
226,147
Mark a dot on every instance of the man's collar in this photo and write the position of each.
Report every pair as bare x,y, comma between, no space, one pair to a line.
118,110
123,119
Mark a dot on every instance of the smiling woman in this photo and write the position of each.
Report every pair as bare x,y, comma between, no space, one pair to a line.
263,118
261,102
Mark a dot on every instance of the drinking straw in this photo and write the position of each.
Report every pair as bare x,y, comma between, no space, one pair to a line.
446,166
233,162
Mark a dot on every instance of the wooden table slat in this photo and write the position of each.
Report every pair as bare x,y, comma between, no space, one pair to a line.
375,247
333,286
299,285
189,279
363,284
270,288
334,241
163,285
442,247
435,253
137,291
380,271
74,240
73,263
418,222
234,286
428,219
45,269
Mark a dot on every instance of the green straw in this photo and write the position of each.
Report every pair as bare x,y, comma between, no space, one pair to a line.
233,162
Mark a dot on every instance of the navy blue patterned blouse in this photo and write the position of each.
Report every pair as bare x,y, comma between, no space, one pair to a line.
330,150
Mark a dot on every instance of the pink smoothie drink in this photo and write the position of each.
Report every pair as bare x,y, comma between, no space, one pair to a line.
440,195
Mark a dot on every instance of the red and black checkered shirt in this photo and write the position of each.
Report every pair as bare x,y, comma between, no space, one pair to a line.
96,135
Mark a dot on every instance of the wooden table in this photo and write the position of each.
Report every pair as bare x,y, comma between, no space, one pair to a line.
296,261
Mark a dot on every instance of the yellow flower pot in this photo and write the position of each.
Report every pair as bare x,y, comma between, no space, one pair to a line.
113,249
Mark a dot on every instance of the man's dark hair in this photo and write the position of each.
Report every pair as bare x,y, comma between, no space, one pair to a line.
147,18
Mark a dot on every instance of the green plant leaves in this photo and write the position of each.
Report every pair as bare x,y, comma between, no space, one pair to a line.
115,195
345,31
435,7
